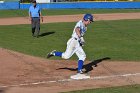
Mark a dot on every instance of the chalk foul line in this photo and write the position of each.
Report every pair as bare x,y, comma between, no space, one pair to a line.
68,80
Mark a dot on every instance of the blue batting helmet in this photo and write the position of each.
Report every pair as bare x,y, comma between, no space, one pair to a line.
88,17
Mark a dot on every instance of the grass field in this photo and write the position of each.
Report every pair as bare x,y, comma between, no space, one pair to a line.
118,40
122,89
22,13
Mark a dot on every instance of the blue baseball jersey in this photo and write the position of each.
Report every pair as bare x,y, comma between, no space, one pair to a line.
35,11
82,27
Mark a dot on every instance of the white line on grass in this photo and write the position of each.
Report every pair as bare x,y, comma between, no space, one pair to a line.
68,80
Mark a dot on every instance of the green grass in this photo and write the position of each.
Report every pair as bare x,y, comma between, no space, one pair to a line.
22,13
122,89
118,40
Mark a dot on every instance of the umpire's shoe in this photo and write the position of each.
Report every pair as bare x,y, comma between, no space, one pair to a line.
51,54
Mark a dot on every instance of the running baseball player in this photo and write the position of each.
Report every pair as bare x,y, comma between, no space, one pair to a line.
74,45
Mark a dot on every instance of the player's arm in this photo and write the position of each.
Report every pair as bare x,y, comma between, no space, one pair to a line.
81,39
77,30
41,16
30,15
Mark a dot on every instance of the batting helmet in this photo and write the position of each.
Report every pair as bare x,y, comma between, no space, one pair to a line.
88,17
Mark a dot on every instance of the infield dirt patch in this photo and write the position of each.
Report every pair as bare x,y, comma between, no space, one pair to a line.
26,74
69,18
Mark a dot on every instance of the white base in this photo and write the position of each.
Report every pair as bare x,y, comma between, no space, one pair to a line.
79,76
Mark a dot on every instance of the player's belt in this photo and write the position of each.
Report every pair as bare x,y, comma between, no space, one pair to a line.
35,17
75,38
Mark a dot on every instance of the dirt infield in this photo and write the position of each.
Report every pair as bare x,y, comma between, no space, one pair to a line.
21,73
26,74
70,18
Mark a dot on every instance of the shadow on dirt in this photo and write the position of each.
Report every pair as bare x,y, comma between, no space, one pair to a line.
2,91
88,67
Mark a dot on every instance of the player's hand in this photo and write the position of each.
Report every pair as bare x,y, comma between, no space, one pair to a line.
42,19
81,41
30,18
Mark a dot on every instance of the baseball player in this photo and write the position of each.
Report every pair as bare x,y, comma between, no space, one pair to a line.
34,16
74,45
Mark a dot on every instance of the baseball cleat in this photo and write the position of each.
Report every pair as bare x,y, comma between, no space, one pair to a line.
51,54
79,76
80,71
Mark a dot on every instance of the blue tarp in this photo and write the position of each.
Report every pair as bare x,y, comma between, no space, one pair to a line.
87,5
9,5
74,5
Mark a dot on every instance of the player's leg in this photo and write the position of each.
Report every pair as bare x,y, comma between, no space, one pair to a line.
82,56
37,26
33,26
70,50
54,53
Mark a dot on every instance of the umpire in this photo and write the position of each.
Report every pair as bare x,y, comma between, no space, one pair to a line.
34,16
